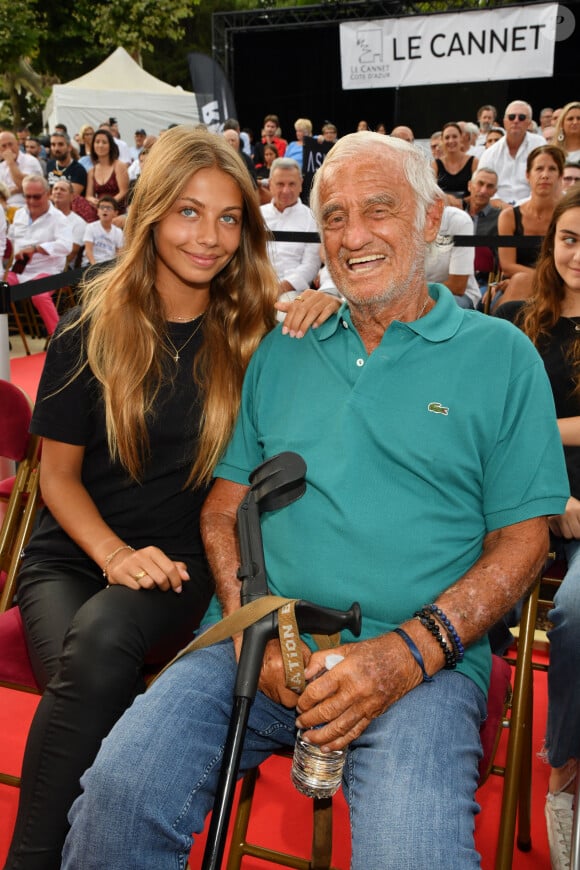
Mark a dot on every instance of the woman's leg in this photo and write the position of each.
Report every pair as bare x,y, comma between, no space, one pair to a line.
98,675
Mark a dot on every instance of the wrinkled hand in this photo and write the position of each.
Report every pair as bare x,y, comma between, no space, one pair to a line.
156,569
311,310
272,680
374,674
567,525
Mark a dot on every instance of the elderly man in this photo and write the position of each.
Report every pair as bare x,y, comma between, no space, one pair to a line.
428,486
402,132
508,156
62,197
41,240
62,164
482,189
14,166
295,263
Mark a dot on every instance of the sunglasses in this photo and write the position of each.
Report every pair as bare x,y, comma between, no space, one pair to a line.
520,117
35,196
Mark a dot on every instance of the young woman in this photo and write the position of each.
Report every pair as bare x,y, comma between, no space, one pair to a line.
137,401
544,169
108,175
551,319
567,133
454,168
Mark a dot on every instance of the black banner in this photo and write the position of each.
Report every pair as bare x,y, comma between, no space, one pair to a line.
214,96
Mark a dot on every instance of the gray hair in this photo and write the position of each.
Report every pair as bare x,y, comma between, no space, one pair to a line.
37,179
485,169
522,103
284,163
416,169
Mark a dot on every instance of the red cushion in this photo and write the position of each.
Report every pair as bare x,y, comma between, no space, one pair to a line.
15,665
6,487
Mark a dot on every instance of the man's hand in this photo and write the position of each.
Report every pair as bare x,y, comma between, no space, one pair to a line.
567,525
374,675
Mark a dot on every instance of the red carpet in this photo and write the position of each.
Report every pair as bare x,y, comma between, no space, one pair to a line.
25,371
281,817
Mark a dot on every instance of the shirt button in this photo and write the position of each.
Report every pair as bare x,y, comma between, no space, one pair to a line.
344,324
360,362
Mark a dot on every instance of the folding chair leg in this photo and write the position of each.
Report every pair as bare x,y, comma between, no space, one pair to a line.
240,829
575,855
524,839
19,326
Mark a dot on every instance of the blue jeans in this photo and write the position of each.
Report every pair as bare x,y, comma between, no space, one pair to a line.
563,730
410,778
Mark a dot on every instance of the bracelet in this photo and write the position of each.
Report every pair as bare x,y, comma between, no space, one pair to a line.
414,650
112,555
429,623
453,636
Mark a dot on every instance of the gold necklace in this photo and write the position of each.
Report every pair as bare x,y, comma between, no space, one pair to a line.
178,350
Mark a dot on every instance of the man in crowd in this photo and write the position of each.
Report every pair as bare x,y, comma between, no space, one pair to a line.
62,164
448,522
232,137
15,166
486,117
34,147
546,118
62,196
296,263
508,157
482,189
41,240
269,136
402,132
135,151
571,176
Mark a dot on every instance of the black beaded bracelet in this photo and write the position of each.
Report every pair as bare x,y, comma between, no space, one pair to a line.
429,623
453,636
415,652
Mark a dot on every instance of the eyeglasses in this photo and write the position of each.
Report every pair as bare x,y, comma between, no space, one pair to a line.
35,196
520,117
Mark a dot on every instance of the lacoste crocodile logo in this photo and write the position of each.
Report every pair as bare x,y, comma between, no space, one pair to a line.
437,408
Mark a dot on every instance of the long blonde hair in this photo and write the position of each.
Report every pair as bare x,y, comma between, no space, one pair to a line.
126,321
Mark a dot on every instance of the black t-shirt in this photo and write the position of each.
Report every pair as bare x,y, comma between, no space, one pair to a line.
554,352
159,510
74,172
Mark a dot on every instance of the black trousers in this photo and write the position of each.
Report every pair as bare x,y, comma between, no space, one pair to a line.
88,644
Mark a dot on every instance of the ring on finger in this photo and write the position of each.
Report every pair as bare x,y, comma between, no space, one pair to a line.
139,575
299,298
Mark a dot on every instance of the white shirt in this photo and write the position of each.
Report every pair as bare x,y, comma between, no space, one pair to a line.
3,232
28,165
78,226
105,243
444,259
124,151
51,231
295,262
511,171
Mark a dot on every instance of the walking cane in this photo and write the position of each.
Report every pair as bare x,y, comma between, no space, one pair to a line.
276,483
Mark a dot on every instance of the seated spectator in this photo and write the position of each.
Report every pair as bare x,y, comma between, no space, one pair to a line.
568,131
360,127
15,166
270,136
295,150
109,174
381,128
329,132
493,136
482,188
263,173
404,133
135,168
295,263
113,127
34,147
450,265
86,134
571,176
62,197
509,155
454,169
41,240
486,118
545,167
232,137
102,239
435,144
139,137
62,164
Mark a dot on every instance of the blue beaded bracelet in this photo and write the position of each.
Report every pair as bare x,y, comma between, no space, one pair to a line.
459,648
414,650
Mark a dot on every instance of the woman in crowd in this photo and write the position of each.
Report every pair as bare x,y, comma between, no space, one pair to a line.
567,133
454,168
544,169
86,134
137,400
108,175
551,319
303,127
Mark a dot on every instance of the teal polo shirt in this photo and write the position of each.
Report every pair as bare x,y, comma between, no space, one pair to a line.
414,453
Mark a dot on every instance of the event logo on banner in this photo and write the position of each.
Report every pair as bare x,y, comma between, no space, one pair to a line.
505,43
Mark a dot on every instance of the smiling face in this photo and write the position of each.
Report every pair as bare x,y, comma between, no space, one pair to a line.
451,140
373,250
567,251
101,145
198,237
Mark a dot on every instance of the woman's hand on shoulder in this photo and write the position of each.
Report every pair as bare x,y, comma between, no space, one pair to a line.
146,569
309,309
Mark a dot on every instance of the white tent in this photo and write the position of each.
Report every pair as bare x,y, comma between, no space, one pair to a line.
120,88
